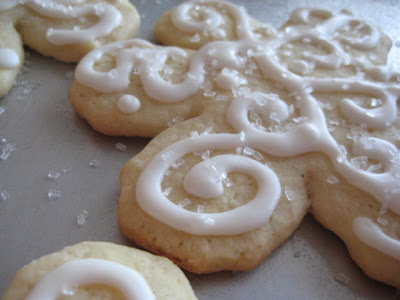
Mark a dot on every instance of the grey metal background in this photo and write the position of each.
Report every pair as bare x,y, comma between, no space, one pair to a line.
49,135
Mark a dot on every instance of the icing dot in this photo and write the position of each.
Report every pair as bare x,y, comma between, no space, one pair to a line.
128,104
9,59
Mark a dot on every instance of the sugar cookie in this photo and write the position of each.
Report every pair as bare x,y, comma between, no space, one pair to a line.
196,23
63,29
262,131
98,270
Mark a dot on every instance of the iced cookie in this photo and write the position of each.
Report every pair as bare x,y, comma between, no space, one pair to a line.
260,130
98,270
63,29
196,23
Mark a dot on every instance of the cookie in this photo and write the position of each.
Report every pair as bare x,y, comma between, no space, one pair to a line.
195,23
63,29
261,132
99,270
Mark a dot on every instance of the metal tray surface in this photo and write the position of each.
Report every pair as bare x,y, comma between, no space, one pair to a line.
49,136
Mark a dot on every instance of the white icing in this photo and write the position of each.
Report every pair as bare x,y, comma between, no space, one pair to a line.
128,104
9,59
109,18
79,272
299,131
370,233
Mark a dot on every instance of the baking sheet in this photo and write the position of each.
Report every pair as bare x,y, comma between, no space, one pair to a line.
49,136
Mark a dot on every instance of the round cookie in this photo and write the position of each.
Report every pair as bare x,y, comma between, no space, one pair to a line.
269,128
99,270
195,23
63,29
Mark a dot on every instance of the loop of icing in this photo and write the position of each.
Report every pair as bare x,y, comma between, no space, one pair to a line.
79,272
239,220
128,104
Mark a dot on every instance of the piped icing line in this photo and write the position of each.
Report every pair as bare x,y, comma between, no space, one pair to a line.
9,59
205,180
109,18
80,272
372,235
